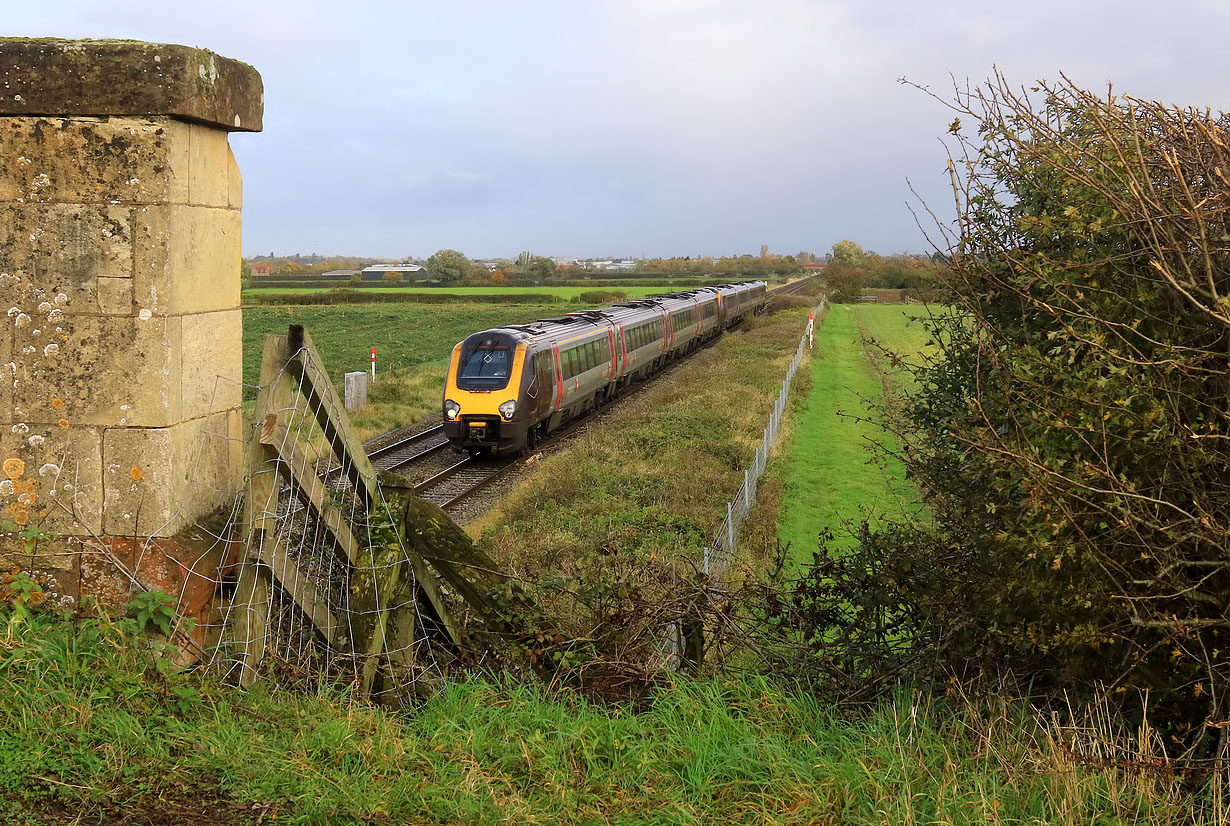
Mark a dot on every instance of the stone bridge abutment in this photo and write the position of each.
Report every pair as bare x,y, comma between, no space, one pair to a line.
120,328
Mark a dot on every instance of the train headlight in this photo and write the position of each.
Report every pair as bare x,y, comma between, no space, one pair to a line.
508,409
451,409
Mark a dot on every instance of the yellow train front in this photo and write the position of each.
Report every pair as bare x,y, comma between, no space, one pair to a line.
485,394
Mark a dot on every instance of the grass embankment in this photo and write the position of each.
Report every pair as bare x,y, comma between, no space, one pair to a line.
412,342
648,488
633,290
93,731
831,478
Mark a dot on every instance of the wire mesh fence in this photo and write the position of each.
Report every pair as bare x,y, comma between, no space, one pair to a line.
720,552
326,590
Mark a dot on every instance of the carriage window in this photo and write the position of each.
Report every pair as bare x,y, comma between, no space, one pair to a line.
570,363
546,371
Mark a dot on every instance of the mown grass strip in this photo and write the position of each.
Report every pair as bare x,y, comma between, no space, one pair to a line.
832,479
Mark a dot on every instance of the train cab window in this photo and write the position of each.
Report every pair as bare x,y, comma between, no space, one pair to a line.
484,368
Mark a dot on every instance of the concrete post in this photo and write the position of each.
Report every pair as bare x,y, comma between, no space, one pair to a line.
356,390
120,331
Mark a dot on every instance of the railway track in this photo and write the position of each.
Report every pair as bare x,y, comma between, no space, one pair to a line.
459,481
441,474
409,450
793,286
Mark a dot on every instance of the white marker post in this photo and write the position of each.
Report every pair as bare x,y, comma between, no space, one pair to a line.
373,364
811,325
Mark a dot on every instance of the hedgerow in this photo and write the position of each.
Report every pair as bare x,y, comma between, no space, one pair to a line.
1072,435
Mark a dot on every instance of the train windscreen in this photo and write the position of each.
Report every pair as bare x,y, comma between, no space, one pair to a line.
484,368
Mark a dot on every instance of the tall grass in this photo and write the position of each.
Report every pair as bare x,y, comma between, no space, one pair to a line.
93,728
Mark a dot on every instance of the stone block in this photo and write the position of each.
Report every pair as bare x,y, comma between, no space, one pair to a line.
55,565
234,181
117,161
212,352
127,77
157,481
209,162
115,296
7,367
186,259
98,370
52,477
65,248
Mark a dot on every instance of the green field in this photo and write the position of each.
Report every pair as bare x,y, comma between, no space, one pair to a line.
832,479
563,293
412,341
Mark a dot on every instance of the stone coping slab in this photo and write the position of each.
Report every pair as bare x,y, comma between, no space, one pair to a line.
50,76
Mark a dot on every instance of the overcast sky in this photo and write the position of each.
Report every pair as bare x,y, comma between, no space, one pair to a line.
630,127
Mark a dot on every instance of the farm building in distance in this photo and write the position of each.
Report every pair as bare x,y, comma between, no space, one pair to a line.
410,272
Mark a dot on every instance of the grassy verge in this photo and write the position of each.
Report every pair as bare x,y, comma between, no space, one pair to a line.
643,493
94,730
412,344
830,477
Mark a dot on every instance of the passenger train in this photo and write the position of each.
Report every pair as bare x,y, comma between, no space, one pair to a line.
508,388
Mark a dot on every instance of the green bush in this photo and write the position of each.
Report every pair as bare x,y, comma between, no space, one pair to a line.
600,297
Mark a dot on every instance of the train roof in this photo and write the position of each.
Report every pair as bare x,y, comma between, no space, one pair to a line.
597,319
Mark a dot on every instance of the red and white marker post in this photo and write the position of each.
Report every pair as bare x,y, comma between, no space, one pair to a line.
811,326
373,364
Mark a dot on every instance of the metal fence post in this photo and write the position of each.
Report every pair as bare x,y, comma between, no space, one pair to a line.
730,530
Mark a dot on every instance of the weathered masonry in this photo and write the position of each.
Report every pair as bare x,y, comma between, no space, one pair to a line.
120,334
